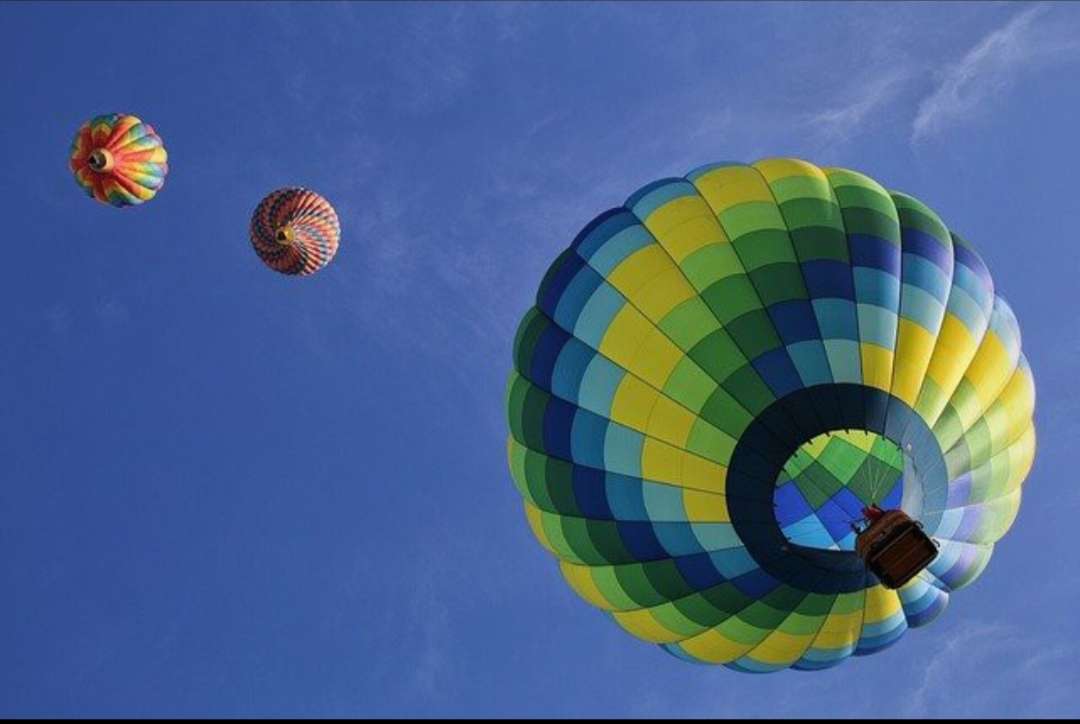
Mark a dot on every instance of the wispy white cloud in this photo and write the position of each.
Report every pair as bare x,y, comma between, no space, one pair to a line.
59,318
1038,672
839,123
434,644
112,313
986,71
436,62
513,19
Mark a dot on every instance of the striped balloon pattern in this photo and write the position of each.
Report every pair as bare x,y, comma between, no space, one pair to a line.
717,376
295,231
118,160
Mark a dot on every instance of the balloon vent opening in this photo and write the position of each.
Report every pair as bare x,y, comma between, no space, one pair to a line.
825,485
284,235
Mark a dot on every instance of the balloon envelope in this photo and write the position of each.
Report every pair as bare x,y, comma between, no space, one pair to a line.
716,377
118,160
295,231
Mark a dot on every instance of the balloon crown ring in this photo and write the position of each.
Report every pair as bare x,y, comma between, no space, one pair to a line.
101,160
284,235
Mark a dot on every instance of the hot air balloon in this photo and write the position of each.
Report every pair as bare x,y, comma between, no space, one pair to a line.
295,231
722,376
118,160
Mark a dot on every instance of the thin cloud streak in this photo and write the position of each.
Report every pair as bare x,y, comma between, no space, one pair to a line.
977,647
841,122
990,68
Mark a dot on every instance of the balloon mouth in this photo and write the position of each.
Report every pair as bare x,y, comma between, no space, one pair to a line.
284,235
764,450
100,160
825,484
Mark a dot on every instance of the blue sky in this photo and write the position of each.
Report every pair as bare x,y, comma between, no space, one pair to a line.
225,491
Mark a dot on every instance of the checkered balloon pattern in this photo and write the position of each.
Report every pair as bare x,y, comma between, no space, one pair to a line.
720,373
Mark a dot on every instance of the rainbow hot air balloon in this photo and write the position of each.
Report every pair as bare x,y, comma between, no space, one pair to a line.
118,160
295,231
722,375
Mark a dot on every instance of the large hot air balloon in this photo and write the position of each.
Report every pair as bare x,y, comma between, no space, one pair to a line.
295,231
118,160
721,374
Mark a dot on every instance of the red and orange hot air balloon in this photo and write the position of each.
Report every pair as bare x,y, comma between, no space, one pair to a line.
118,160
295,231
